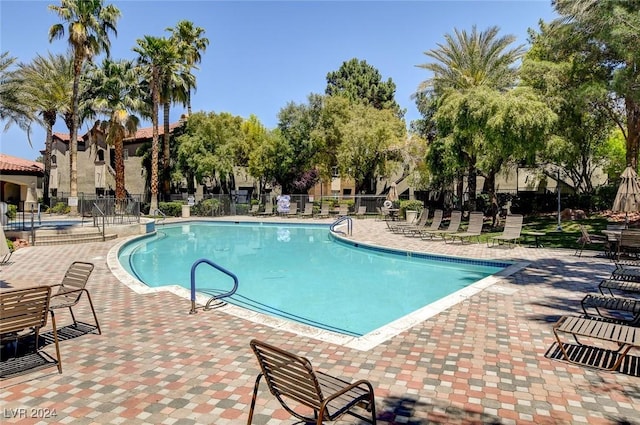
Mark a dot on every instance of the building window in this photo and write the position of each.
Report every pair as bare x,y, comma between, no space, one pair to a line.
54,160
334,172
100,155
125,154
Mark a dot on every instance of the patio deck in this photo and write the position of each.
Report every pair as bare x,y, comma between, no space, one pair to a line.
489,360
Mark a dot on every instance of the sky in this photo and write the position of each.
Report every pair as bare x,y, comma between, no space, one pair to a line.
265,54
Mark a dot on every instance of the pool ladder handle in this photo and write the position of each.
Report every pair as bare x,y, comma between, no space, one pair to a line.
341,220
215,297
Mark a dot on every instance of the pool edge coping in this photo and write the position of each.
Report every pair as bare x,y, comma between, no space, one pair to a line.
362,343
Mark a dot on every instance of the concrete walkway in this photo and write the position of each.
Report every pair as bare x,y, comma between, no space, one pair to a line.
490,359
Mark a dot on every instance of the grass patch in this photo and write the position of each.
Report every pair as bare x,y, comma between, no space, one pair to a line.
567,238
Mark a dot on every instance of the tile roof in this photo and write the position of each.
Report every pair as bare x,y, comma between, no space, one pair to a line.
14,165
142,133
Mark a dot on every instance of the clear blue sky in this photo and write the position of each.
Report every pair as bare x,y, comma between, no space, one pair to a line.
264,54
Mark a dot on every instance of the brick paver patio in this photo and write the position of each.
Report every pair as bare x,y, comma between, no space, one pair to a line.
487,360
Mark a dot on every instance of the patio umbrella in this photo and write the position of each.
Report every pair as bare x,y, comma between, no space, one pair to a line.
393,193
628,197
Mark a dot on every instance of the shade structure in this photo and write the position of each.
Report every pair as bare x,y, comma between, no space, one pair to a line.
393,193
628,196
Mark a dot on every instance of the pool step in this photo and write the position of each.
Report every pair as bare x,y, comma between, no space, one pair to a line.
71,236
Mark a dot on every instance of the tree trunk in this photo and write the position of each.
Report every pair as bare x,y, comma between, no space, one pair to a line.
155,100
472,185
166,163
75,123
633,132
50,120
120,180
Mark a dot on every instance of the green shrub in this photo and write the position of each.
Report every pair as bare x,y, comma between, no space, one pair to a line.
10,244
171,209
413,204
60,208
206,208
12,211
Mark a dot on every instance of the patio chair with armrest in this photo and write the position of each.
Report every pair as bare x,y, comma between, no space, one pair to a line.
23,312
619,309
294,383
71,288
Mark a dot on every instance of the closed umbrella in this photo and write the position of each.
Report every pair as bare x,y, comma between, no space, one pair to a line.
628,196
393,193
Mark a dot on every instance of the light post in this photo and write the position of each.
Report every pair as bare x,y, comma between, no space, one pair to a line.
559,228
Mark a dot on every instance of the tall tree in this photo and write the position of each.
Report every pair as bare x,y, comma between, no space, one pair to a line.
14,109
613,28
575,87
156,56
115,92
191,43
360,82
464,62
47,85
89,23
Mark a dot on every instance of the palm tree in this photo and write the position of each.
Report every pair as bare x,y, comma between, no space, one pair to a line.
89,23
47,84
156,56
191,43
175,88
465,62
115,92
13,106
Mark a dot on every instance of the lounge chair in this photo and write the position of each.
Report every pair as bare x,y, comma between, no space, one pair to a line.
625,286
268,209
23,312
324,211
588,239
255,208
291,379
511,233
419,224
630,308
626,337
434,226
308,210
71,288
474,229
343,210
454,225
362,210
293,210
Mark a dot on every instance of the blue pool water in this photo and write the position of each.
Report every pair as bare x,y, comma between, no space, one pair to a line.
300,272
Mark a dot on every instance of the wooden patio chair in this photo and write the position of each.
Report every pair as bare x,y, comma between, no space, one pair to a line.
511,233
71,288
474,229
23,312
291,379
624,336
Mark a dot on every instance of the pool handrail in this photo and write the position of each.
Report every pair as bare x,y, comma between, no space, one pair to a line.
158,210
215,297
341,220
104,217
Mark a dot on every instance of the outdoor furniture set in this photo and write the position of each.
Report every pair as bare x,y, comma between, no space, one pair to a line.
608,318
24,313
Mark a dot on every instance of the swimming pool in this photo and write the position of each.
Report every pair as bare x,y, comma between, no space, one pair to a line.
301,272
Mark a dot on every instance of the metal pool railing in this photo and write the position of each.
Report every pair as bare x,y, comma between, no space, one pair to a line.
214,296
343,220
